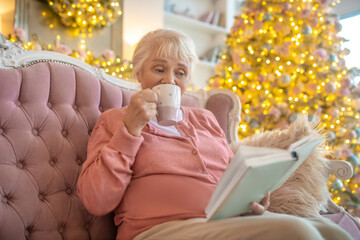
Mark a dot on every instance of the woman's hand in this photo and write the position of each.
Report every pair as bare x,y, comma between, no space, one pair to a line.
259,208
141,109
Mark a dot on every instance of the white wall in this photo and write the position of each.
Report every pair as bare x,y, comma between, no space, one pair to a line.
347,8
7,11
139,17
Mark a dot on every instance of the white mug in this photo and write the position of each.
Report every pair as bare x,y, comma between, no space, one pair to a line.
168,106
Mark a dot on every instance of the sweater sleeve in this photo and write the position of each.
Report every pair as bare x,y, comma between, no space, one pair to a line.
107,172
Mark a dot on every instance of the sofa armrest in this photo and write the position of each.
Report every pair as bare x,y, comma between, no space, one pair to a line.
342,169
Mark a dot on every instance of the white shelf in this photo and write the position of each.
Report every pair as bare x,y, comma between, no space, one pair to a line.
171,18
184,16
205,64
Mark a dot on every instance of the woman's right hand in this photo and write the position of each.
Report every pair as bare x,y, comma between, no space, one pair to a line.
141,109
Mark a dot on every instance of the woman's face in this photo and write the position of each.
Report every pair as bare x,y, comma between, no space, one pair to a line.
161,70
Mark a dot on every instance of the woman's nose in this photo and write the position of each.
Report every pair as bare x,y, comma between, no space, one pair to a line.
168,79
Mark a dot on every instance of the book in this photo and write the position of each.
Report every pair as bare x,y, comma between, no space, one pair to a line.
252,173
216,18
207,17
211,55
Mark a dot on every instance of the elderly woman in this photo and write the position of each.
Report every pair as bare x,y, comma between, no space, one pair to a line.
158,180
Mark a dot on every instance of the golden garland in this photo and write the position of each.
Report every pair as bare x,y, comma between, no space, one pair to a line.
86,15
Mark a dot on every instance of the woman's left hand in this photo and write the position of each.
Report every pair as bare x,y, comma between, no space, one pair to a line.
259,208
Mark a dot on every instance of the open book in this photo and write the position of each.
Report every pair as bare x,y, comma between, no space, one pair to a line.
253,172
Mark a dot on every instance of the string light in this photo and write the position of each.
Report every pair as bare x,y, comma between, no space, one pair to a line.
86,15
295,66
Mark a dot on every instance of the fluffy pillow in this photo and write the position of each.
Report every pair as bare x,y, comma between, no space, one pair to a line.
306,191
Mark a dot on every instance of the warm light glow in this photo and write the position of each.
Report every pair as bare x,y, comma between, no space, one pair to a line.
283,62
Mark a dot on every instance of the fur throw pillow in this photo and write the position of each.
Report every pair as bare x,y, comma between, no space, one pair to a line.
306,191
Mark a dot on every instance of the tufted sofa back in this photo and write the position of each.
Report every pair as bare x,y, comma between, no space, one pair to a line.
47,113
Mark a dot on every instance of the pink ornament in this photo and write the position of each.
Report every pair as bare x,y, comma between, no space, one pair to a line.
278,27
337,154
337,26
313,22
305,13
82,53
286,6
320,54
311,88
287,30
261,78
284,49
63,49
356,104
109,55
346,51
243,98
346,82
20,33
271,77
333,112
318,112
346,152
239,23
325,3
236,58
37,47
350,135
356,89
244,67
275,112
283,106
248,33
341,63
341,131
215,84
295,90
282,124
245,118
261,118
258,25
330,87
343,92
357,180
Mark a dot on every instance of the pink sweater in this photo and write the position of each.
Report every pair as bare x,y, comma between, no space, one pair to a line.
156,177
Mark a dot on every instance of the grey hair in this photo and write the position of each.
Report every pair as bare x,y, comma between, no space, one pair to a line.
164,43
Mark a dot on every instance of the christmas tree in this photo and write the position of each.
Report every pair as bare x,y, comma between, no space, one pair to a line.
284,58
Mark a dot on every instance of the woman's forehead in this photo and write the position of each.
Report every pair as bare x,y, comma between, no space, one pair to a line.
169,60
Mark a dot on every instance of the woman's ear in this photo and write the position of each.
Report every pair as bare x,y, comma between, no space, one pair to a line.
138,77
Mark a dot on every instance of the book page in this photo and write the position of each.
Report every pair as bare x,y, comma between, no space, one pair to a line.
303,141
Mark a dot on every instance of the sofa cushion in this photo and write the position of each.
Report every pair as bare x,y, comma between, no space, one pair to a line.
344,221
47,113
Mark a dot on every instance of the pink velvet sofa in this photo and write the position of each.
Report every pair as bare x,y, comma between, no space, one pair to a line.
49,104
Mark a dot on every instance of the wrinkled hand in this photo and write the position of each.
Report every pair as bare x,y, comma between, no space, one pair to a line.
141,109
259,208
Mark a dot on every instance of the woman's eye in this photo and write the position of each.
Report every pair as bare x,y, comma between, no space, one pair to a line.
160,70
181,74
